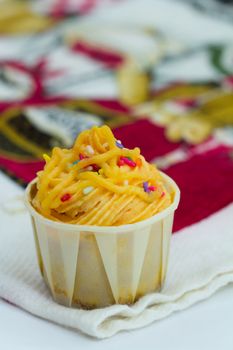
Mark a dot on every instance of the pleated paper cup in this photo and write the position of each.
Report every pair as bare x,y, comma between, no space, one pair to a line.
96,266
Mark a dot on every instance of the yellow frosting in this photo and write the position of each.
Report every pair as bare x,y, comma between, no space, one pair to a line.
110,185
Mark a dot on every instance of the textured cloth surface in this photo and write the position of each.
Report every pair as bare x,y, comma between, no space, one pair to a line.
201,261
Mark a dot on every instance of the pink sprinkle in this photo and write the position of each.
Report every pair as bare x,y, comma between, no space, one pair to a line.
127,161
163,194
81,156
152,188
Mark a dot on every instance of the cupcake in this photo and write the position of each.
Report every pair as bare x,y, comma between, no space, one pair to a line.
102,219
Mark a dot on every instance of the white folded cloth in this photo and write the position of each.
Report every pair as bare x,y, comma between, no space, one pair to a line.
201,261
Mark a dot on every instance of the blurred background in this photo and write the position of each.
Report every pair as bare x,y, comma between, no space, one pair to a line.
158,72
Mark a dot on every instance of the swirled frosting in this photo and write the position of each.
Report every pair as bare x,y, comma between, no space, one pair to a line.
99,182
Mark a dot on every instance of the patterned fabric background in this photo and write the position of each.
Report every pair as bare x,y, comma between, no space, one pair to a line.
65,66
220,8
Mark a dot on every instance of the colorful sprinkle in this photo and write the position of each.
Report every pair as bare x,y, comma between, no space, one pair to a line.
90,150
89,168
65,197
88,189
81,156
92,167
46,157
130,162
95,167
120,162
119,144
139,162
126,182
126,161
163,194
76,162
146,187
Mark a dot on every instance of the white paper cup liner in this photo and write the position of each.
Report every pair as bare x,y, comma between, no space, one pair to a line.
96,266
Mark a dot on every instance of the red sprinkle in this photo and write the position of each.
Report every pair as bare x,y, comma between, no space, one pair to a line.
120,162
127,161
152,188
163,194
95,167
65,197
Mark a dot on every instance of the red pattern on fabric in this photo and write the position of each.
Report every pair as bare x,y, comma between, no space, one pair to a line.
113,106
32,72
59,8
37,96
62,8
205,182
149,137
26,171
110,59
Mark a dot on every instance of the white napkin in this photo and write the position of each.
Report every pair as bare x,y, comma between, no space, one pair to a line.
201,261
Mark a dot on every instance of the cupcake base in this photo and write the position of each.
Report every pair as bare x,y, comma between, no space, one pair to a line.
93,267
93,270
